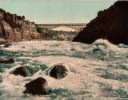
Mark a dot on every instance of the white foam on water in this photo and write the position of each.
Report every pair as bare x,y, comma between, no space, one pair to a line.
88,78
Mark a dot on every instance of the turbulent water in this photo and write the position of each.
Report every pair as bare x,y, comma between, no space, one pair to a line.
98,71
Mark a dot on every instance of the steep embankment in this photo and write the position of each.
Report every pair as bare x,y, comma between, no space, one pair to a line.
16,28
111,24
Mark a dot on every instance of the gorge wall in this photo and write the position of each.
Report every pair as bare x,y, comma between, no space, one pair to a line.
111,24
16,28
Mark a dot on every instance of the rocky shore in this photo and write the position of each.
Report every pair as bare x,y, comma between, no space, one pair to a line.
17,28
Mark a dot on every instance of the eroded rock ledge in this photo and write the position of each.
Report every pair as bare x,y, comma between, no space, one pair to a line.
16,28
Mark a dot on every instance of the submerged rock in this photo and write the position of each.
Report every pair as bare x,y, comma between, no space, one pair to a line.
22,71
58,71
38,86
7,60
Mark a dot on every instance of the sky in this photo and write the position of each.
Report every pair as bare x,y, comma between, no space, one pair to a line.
56,11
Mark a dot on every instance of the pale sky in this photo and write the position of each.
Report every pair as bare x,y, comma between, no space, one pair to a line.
56,11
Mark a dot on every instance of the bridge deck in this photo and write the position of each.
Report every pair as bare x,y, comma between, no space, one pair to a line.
77,26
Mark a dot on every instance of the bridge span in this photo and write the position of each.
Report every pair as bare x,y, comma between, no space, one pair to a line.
77,26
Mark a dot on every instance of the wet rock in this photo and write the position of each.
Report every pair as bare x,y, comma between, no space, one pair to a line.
1,79
38,86
22,71
58,71
7,45
7,61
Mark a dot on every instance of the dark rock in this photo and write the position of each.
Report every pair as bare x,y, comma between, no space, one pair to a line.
111,24
1,79
22,71
7,61
58,71
7,45
38,86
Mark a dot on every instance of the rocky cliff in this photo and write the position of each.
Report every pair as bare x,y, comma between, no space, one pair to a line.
111,24
16,28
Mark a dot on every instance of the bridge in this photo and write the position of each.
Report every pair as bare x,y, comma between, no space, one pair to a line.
77,26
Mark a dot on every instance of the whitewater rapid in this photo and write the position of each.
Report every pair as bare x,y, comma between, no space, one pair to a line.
97,71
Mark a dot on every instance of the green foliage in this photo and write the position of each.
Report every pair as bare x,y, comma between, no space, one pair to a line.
39,30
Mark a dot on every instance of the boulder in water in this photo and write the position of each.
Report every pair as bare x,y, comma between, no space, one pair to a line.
58,71
7,60
7,45
38,86
22,71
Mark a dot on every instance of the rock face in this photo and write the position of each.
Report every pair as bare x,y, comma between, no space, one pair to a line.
111,24
2,41
20,71
58,71
16,28
38,86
